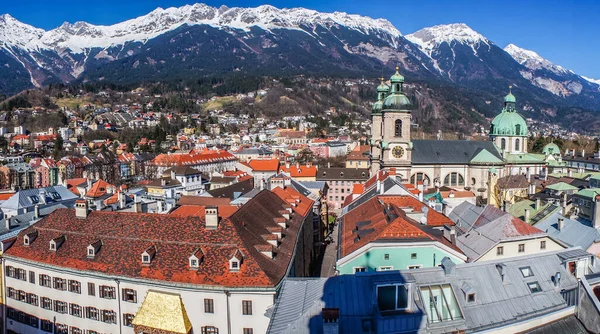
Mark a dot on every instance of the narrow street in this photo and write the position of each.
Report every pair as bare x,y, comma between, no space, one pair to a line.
328,264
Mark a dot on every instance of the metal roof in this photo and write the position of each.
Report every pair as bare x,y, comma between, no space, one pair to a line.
22,199
573,233
497,302
448,152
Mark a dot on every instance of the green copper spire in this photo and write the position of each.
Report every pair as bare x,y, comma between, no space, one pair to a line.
396,100
509,122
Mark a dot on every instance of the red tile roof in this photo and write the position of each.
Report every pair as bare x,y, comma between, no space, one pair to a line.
264,165
300,203
375,221
126,236
193,158
99,189
434,218
299,170
203,200
224,211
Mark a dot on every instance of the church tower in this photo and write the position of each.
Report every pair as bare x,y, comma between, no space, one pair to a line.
390,131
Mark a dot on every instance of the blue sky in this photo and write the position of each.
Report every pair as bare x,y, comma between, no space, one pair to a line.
565,32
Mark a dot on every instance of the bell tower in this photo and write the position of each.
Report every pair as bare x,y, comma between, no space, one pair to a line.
390,132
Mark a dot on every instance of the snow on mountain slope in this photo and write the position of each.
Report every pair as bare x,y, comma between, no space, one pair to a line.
16,33
532,60
594,81
430,38
81,35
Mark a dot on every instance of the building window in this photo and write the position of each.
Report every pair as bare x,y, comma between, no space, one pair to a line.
386,268
518,129
75,330
413,256
61,329
392,297
92,313
209,306
107,292
454,179
75,310
416,266
419,177
248,331
10,271
500,250
46,326
32,299
46,303
210,330
246,307
74,286
60,307
526,271
542,244
91,289
128,319
60,283
398,128
521,248
22,274
12,293
129,295
517,144
359,269
534,287
32,277
503,144
109,317
386,256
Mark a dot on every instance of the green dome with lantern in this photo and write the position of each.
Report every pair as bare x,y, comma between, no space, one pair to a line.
396,100
509,122
551,149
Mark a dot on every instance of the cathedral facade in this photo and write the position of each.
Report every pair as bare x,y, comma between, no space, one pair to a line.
463,164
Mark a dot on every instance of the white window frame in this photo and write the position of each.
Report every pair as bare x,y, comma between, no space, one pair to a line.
408,296
414,266
385,268
364,269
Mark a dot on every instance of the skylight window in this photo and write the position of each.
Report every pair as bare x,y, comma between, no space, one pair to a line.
526,271
534,287
34,199
440,303
392,297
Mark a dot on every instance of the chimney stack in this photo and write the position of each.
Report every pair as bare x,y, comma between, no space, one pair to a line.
561,224
211,216
448,266
36,212
81,208
121,199
527,213
596,216
538,204
331,320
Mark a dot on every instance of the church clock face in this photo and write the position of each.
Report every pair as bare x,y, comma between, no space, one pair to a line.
398,152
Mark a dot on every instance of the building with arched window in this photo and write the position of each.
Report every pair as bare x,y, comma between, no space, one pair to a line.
464,164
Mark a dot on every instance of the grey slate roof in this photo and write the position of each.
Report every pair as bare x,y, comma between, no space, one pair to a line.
573,233
19,222
498,303
22,199
387,184
465,215
449,152
568,325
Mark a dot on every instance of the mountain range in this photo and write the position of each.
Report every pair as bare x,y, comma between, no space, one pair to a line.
202,41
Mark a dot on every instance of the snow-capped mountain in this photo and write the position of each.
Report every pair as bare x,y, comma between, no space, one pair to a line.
544,74
596,81
201,41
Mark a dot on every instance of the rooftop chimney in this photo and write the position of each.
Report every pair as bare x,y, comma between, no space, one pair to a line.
36,212
121,199
331,320
538,204
211,215
448,266
596,216
173,174
81,208
560,225
527,213
501,267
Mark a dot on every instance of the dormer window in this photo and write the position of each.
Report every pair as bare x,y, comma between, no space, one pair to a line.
235,261
29,238
196,258
148,255
57,242
93,249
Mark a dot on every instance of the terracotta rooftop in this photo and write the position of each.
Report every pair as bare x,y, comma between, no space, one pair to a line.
125,236
224,211
99,189
434,218
376,220
264,165
202,200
